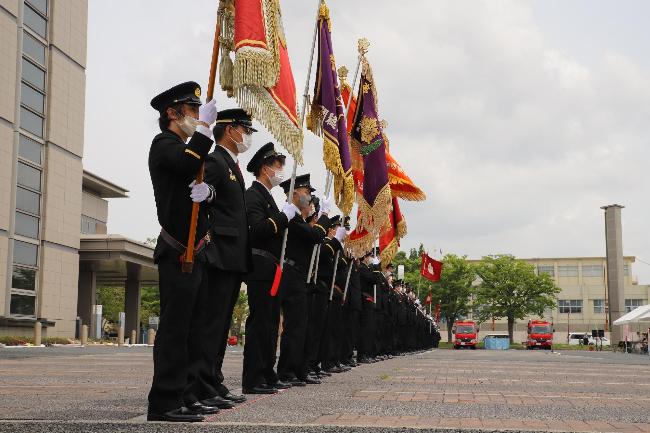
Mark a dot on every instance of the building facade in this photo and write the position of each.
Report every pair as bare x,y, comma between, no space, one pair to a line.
582,303
53,214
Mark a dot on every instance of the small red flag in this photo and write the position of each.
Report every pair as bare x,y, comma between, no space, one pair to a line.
431,269
276,280
429,299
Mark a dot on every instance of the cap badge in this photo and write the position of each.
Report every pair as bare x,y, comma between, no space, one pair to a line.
197,92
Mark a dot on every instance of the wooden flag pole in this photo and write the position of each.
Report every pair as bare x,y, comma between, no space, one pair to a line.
303,112
188,257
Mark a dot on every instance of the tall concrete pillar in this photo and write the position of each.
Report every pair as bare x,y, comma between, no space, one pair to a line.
615,280
132,299
86,295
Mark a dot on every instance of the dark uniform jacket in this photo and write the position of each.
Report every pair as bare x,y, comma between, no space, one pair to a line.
301,240
173,165
368,281
328,251
354,297
266,226
229,249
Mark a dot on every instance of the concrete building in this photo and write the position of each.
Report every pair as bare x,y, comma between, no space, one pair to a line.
583,302
46,198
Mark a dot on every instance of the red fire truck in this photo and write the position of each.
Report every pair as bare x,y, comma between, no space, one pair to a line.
465,334
540,334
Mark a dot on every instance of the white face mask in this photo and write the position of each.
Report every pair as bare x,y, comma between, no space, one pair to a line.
277,178
245,144
188,125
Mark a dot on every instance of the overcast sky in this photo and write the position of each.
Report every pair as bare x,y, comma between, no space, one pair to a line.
518,118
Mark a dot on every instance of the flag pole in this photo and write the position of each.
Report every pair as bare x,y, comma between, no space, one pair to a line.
305,99
188,258
336,265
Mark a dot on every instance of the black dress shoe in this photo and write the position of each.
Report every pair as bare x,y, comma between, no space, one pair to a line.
344,368
324,373
310,380
219,402
334,369
182,414
281,385
235,398
363,360
262,389
202,409
295,382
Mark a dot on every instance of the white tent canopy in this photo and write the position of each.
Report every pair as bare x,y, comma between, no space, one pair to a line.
639,314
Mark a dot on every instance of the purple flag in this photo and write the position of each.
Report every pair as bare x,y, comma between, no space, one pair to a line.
327,117
369,140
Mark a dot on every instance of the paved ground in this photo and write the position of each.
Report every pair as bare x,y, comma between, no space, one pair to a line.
104,389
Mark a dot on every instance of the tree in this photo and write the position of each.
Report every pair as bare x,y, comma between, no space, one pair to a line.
454,290
511,289
149,304
239,314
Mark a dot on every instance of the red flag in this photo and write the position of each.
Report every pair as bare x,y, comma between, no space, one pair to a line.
431,269
429,298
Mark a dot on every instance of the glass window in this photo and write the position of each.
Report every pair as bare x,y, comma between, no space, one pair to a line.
568,271
28,201
40,5
88,225
24,253
33,48
26,225
30,150
23,305
592,271
29,176
599,306
573,306
631,304
23,278
626,270
33,74
35,22
32,98
546,269
31,122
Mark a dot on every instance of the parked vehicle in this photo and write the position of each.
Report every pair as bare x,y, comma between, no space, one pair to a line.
577,338
540,334
465,334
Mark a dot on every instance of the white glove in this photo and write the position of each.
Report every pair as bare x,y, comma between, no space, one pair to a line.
375,261
200,191
325,205
208,112
340,233
290,210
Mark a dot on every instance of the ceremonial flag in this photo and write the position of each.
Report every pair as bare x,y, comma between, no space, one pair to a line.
260,78
327,117
431,269
368,139
429,298
391,235
400,184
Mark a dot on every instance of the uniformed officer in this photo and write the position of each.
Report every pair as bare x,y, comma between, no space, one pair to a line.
266,228
293,288
365,352
317,344
229,253
184,297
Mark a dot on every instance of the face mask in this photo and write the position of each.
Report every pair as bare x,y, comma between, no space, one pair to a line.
303,201
188,125
277,178
245,143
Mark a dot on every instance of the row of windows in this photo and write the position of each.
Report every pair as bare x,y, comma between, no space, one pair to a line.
29,173
572,271
573,306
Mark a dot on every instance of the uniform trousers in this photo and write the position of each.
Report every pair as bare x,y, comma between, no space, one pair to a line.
185,340
351,322
258,350
316,327
293,301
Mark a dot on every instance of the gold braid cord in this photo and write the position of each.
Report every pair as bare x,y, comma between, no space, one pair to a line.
358,247
226,16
